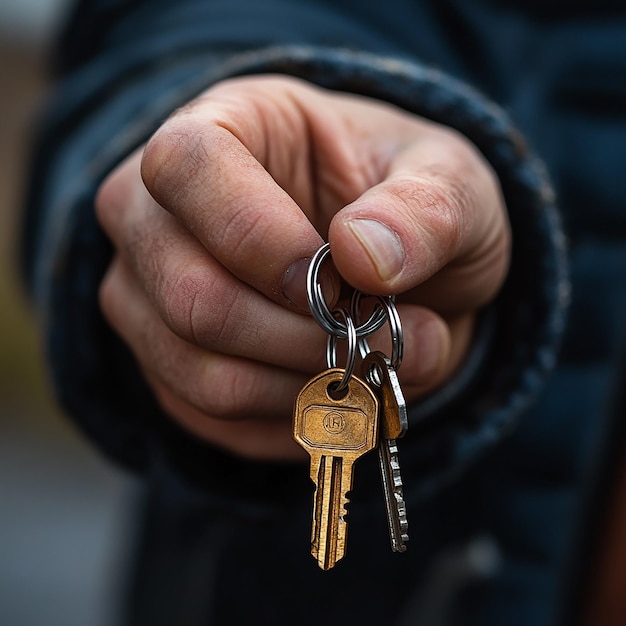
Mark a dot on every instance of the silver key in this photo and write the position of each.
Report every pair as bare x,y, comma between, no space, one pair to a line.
393,424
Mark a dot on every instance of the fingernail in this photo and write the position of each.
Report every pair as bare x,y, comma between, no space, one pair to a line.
381,245
294,285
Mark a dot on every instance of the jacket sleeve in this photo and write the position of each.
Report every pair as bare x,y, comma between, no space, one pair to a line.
124,67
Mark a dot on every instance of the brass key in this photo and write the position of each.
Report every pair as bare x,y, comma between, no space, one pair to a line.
393,424
335,431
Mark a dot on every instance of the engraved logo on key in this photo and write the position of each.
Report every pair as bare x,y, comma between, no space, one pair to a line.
334,423
321,427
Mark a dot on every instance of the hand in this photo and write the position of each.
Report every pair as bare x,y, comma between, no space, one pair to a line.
214,221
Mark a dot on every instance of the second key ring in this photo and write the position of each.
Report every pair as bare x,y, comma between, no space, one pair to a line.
319,308
395,326
331,349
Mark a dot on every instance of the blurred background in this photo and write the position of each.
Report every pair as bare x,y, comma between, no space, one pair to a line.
65,513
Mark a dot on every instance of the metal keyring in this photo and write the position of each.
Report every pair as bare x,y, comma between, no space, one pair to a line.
331,349
395,326
320,311
372,324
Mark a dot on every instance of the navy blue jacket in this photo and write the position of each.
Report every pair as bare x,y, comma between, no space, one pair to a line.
502,464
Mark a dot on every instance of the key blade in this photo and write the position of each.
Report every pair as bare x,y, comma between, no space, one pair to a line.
394,497
328,540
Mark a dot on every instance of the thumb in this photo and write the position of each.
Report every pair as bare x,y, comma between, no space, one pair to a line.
436,223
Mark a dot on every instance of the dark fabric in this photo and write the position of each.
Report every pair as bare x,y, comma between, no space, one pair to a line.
499,463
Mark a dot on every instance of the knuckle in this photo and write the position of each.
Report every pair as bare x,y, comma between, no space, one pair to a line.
242,231
224,330
180,294
469,172
449,213
439,209
228,397
173,155
198,307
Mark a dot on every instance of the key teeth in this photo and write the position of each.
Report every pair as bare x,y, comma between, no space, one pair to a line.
397,480
325,559
345,503
393,488
399,497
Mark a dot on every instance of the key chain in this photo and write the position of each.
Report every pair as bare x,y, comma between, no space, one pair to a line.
337,416
320,311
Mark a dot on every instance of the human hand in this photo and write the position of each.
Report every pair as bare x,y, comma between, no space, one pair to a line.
214,221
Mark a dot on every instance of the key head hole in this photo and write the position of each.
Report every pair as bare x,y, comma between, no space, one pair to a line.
375,375
337,394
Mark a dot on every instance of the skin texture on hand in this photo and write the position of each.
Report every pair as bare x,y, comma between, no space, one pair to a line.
214,221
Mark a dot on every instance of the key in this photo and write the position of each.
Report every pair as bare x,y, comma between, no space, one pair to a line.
393,425
335,431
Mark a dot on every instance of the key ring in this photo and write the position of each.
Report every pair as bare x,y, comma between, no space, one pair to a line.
395,326
320,311
331,349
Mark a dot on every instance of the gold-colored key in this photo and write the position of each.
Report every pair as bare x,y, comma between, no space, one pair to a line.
335,431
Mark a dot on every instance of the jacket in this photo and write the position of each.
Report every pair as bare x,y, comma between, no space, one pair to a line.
503,465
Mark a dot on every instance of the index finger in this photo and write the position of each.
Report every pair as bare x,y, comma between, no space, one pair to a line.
206,166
